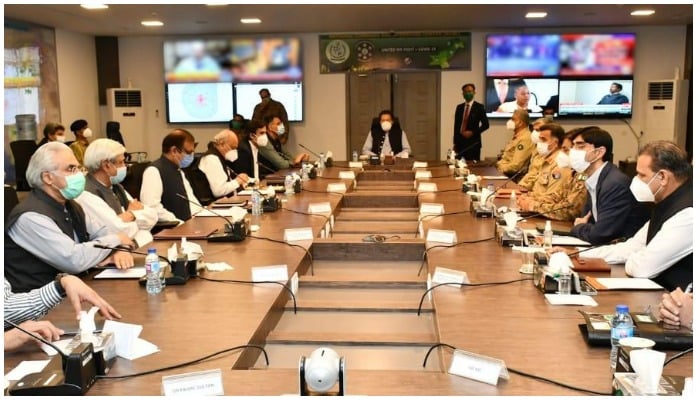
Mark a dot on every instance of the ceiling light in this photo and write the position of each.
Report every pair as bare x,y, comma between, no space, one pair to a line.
536,15
93,6
151,22
251,20
642,13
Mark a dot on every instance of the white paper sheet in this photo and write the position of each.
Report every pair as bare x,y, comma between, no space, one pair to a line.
568,241
24,368
570,300
629,283
114,273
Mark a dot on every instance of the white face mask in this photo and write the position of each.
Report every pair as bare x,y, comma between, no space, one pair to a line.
261,141
578,160
280,130
542,148
563,160
641,191
231,155
386,126
61,138
535,136
510,125
87,133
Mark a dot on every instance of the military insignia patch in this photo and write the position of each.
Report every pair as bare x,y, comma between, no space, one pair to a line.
520,146
556,174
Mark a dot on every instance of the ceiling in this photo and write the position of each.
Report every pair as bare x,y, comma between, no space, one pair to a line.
191,19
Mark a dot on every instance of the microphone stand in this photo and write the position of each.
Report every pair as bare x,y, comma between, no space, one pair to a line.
233,231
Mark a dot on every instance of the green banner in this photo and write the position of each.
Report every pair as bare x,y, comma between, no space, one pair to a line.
395,52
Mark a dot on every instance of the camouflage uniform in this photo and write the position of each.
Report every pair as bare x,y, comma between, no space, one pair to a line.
568,200
517,153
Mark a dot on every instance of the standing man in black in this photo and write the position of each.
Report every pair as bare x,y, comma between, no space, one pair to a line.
470,121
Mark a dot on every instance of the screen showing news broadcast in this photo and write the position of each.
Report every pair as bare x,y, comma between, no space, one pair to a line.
604,97
522,55
505,95
604,54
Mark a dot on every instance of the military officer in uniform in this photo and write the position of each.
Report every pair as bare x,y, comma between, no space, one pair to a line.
516,155
535,159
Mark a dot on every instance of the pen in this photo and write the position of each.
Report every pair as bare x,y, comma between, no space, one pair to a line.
689,288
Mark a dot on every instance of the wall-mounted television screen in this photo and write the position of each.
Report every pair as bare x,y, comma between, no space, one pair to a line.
505,95
289,94
199,102
605,54
599,98
522,55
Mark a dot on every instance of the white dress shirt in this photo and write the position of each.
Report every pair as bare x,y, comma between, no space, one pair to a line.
152,191
216,174
386,147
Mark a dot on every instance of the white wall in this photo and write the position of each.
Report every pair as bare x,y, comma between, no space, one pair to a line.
660,50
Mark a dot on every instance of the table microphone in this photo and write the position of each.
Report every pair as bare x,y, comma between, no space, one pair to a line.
233,231
310,151
78,370
328,161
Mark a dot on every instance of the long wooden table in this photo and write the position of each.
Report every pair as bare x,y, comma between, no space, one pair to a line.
512,322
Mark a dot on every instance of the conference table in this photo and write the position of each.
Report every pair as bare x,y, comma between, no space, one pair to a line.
510,322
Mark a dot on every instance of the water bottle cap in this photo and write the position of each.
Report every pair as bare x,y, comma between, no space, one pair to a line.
151,249
622,308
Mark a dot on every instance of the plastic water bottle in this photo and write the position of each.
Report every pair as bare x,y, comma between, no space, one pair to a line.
289,185
621,327
548,235
322,162
565,280
153,282
355,157
256,199
513,201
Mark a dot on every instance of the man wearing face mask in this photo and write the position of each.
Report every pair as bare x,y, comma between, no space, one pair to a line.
82,134
611,212
53,132
535,159
386,137
237,125
550,177
470,123
249,155
104,197
164,182
662,249
223,181
48,232
273,152
517,152
271,108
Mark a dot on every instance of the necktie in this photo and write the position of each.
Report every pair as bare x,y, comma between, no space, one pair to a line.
464,118
502,91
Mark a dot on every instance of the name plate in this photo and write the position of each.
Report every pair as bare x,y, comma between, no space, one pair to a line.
294,234
431,209
336,187
420,229
319,208
427,187
446,275
420,164
203,383
424,174
346,175
477,367
441,236
294,283
355,164
270,273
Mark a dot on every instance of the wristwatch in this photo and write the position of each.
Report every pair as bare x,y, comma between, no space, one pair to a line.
57,282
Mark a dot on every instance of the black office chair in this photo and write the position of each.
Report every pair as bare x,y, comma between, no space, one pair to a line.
11,199
114,134
22,151
134,178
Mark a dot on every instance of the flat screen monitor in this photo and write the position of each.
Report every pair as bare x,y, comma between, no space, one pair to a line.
522,55
289,94
595,98
597,54
199,102
503,94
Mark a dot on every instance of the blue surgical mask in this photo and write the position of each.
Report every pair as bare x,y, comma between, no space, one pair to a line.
75,184
187,160
121,174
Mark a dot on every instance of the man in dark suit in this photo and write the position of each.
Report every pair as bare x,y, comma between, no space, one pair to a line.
250,161
611,211
470,122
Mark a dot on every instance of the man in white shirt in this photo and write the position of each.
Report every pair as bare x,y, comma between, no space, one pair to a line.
386,137
165,186
106,199
521,102
223,181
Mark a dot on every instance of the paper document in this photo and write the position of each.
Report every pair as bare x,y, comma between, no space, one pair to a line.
570,300
26,367
568,241
629,283
494,177
128,344
114,273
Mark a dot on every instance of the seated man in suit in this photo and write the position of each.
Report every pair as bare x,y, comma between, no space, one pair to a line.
53,132
662,250
250,160
470,123
105,198
611,212
386,137
223,181
48,232
164,183
273,152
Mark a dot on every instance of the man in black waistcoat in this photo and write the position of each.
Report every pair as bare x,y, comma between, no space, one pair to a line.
48,232
164,183
662,249
383,128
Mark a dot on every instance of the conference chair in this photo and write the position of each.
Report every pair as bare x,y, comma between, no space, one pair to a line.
134,178
22,151
115,134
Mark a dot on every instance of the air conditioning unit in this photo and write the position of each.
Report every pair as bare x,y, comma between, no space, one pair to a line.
126,107
666,111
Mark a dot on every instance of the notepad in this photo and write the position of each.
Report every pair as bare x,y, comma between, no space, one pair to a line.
114,273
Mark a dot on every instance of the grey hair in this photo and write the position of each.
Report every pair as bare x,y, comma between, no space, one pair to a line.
100,150
43,160
223,136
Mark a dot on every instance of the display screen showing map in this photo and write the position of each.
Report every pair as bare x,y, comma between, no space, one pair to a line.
199,102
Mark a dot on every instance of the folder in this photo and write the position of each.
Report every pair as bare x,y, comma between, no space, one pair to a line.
590,265
623,283
188,231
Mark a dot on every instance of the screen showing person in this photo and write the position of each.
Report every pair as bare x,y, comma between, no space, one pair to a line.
522,55
597,54
199,102
266,60
194,60
531,94
595,97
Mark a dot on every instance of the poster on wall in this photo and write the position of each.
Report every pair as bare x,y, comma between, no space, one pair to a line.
395,52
